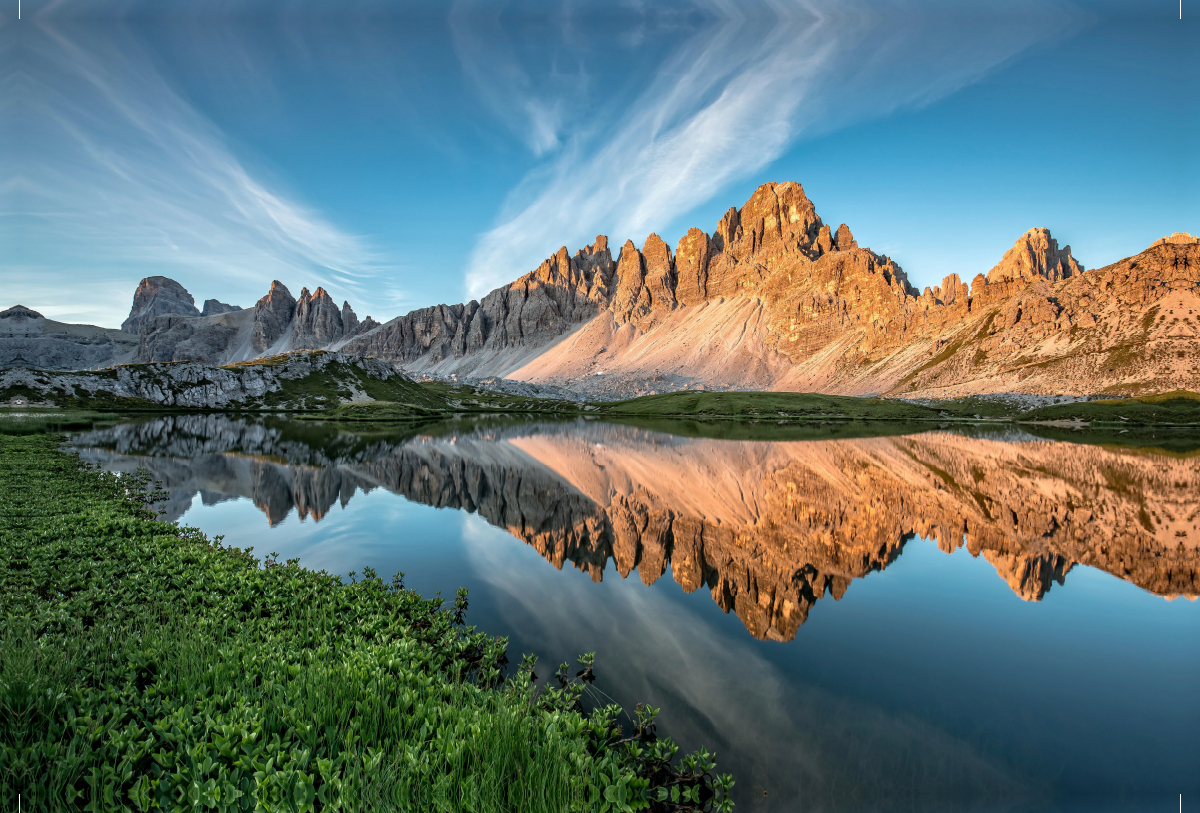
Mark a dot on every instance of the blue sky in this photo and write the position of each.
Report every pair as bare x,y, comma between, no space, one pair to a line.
403,155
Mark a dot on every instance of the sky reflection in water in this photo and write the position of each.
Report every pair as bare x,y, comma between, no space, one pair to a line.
929,684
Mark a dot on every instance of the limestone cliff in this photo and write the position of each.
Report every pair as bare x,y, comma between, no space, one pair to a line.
272,316
507,326
158,296
776,299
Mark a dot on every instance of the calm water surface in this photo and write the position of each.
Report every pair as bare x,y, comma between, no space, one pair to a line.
936,621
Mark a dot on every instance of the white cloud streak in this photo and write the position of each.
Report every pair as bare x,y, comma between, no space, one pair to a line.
117,176
725,103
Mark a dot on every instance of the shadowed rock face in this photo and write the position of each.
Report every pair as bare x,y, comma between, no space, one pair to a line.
510,322
272,316
158,296
29,339
769,528
185,338
318,321
212,307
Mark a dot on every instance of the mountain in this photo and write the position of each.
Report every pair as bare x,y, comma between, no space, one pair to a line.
29,339
769,528
772,299
158,296
776,299
278,323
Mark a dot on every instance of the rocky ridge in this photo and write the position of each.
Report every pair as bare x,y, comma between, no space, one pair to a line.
773,298
199,386
786,524
776,299
29,339
278,323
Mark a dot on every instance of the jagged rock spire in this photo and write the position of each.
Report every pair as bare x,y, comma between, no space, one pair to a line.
272,316
1035,254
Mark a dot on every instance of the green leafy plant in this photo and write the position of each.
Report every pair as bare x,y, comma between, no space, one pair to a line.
144,666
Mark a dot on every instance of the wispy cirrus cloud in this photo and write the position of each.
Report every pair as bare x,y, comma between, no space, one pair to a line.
115,175
745,81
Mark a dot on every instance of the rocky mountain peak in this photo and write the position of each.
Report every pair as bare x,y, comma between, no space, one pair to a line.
660,272
158,296
349,319
774,214
318,321
212,307
691,267
1035,254
272,315
844,240
631,301
729,229
19,313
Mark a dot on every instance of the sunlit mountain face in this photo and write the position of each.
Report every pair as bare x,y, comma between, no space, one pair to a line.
852,620
769,528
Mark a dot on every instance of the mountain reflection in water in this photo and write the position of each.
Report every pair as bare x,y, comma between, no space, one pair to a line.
768,527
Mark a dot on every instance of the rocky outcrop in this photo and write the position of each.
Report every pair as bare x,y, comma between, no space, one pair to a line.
20,318
272,316
562,293
770,529
1035,256
212,308
158,296
203,340
201,386
350,323
318,322
1176,238
28,339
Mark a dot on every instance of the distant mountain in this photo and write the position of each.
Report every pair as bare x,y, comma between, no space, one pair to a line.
276,324
29,339
773,298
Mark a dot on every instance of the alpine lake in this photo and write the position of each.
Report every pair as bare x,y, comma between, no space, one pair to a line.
853,618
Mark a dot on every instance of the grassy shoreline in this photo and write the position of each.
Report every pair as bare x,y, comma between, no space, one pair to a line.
353,390
144,666
1181,410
